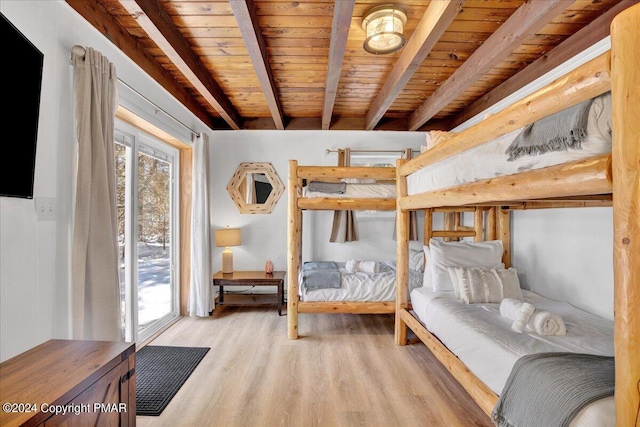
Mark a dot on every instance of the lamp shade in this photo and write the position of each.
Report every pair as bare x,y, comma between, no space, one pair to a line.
228,237
384,26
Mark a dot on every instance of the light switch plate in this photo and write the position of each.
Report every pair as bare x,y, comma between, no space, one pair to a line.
46,208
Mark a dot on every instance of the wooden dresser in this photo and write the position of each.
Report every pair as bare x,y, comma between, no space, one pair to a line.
70,382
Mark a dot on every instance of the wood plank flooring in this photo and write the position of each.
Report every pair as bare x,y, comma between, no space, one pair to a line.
344,370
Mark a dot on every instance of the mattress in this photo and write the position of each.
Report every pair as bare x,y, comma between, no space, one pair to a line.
357,191
359,286
483,340
489,160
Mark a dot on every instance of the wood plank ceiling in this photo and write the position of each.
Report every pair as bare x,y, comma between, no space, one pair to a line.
274,64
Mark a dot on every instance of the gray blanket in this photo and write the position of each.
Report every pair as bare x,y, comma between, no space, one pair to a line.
561,131
327,187
321,275
549,389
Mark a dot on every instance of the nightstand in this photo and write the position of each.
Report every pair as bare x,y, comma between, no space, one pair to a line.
251,278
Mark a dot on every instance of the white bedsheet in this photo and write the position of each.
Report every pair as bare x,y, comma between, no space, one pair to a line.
357,191
489,160
483,340
360,286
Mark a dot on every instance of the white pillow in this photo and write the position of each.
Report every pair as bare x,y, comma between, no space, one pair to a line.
359,180
426,277
510,283
476,285
416,260
455,280
460,254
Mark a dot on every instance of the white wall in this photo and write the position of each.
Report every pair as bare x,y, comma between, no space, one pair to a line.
566,254
35,256
265,236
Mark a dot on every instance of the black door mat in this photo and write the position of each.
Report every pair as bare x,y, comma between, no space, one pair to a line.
160,372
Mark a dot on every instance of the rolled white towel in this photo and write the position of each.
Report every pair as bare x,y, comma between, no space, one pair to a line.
369,267
353,265
518,311
509,307
523,317
546,323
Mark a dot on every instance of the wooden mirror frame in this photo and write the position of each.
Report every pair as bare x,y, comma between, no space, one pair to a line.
238,178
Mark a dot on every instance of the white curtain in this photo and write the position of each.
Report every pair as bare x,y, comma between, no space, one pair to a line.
200,295
95,282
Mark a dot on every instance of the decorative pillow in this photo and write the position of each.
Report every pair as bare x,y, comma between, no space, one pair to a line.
416,260
455,281
475,289
426,277
460,254
510,283
494,291
470,289
476,285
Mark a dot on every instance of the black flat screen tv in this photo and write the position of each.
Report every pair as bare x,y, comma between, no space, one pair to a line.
23,73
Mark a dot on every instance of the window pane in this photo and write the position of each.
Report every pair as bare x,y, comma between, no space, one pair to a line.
121,195
154,246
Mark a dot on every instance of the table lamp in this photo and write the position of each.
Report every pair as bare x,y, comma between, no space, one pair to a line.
227,237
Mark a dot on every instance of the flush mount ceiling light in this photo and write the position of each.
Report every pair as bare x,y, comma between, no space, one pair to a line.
384,27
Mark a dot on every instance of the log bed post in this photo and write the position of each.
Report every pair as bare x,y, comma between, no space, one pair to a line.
504,234
477,224
457,224
448,224
491,224
625,104
402,262
293,252
428,225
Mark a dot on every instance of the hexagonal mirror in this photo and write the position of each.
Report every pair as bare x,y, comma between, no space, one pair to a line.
255,188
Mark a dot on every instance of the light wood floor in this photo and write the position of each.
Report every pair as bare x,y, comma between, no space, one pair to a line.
344,370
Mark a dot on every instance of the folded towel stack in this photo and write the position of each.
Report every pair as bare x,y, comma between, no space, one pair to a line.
353,265
524,315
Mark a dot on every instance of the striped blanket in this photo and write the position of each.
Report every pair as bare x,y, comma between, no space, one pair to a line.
549,389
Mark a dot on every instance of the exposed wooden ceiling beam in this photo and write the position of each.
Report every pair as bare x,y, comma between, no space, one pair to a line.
154,20
315,123
247,18
524,23
342,14
104,22
434,23
583,39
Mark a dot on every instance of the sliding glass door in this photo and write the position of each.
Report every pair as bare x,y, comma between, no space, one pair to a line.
147,218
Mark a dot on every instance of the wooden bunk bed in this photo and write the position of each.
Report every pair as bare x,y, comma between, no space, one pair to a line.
604,180
298,203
